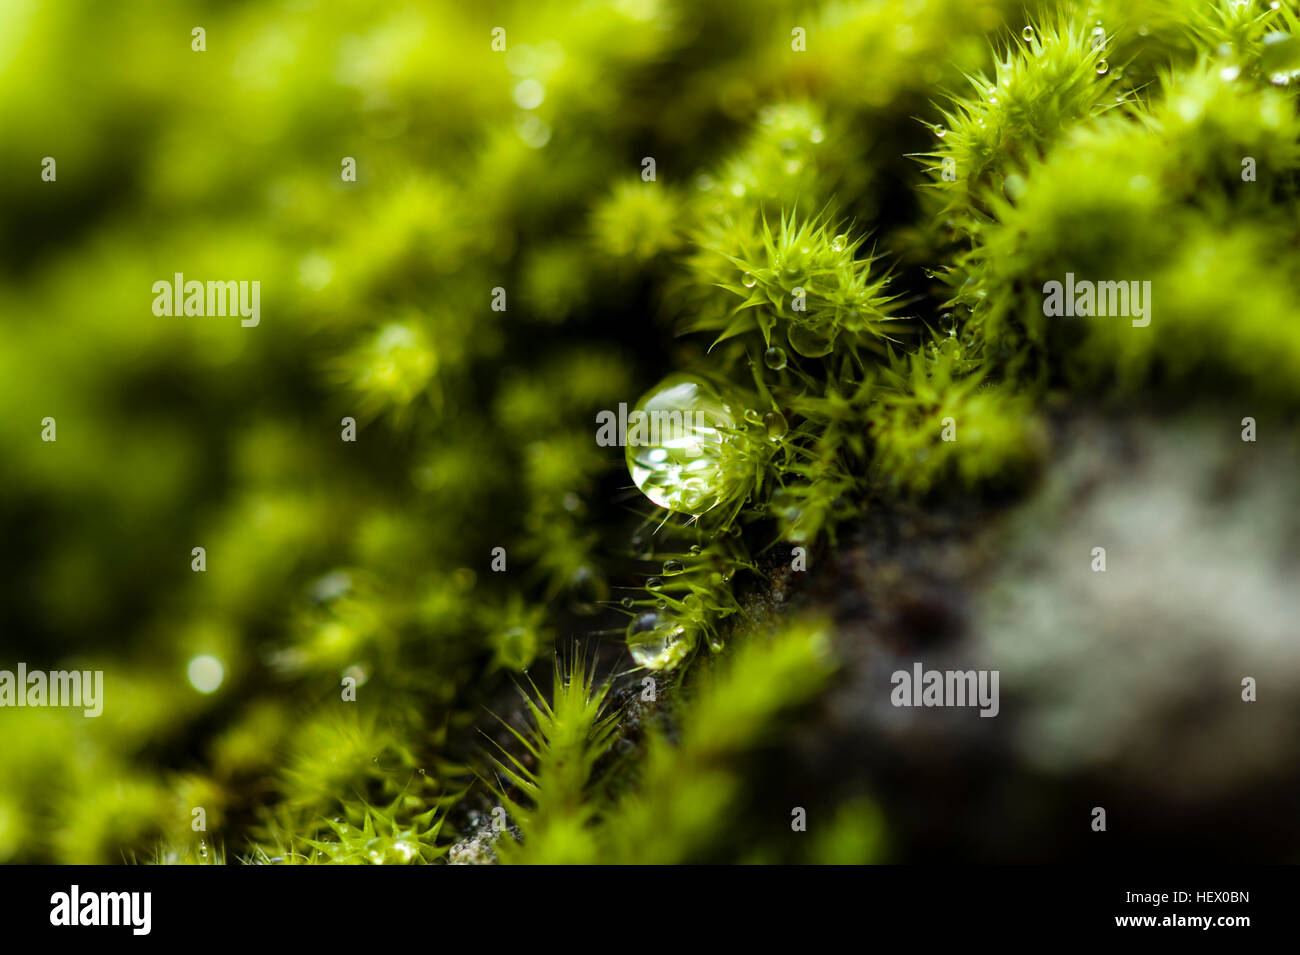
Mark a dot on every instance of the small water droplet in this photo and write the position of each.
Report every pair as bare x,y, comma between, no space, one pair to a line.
776,425
774,358
841,241
628,603
1229,73
654,583
749,280
716,643
203,849
816,135
423,771
1027,33
941,131
697,550
1102,67
752,416
673,567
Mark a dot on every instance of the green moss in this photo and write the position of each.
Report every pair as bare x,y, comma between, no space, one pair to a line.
854,286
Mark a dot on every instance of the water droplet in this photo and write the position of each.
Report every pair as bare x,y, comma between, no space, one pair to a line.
673,567
776,425
697,550
1102,67
752,416
941,131
681,447
203,849
809,342
628,603
774,358
1027,33
656,643
1229,73
841,241
749,280
423,771
654,583
816,135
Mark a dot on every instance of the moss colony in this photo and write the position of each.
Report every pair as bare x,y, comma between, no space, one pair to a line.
488,620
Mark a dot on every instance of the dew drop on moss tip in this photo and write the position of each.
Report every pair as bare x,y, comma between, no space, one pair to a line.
776,425
678,445
654,583
774,358
628,603
655,642
1027,33
810,343
1102,67
696,550
749,280
841,241
941,131
673,567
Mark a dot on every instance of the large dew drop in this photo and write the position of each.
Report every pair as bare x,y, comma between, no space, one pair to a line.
656,642
678,445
